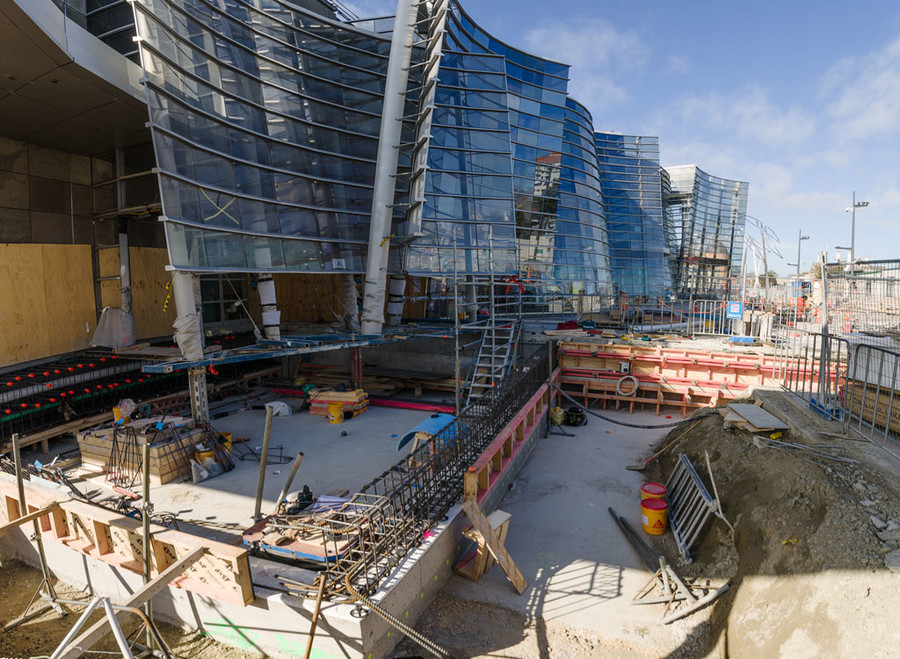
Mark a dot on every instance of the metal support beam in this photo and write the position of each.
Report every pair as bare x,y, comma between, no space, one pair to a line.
125,281
386,166
199,399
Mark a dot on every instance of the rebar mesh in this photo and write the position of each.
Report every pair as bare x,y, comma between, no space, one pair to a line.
366,538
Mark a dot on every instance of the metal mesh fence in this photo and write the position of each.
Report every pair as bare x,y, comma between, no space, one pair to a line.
872,399
864,300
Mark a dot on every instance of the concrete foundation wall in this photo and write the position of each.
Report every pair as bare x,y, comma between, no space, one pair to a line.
275,624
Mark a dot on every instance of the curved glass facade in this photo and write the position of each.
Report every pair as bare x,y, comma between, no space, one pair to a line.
560,227
633,196
467,221
709,214
266,117
265,121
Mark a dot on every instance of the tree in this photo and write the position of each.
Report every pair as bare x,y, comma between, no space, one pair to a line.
772,276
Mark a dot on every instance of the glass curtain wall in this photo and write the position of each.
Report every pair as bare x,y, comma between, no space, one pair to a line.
633,196
711,213
468,220
560,229
265,121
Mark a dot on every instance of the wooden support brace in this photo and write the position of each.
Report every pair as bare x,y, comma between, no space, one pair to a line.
498,551
9,526
100,628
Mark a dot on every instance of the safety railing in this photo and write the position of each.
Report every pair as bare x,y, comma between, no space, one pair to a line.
813,366
709,317
872,395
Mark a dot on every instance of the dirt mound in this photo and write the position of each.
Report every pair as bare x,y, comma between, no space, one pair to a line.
39,637
806,561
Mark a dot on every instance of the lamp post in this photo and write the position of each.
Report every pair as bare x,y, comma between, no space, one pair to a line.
800,239
852,211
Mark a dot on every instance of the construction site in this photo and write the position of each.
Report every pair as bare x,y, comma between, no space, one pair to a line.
273,394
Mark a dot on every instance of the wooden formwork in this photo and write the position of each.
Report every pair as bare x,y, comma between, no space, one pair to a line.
673,377
500,453
223,573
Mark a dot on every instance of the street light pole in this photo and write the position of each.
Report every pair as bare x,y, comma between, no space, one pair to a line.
852,209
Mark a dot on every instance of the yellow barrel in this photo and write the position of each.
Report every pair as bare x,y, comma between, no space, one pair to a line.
653,516
336,412
653,491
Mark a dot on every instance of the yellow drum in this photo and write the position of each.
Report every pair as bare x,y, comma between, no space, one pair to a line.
654,514
653,491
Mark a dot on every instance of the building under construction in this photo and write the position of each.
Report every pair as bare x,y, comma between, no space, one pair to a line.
386,256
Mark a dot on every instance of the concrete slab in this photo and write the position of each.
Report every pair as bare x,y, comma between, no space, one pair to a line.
580,569
331,460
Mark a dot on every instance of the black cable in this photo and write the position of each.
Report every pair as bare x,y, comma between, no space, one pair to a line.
635,425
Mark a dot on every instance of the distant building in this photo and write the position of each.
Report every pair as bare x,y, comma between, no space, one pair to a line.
633,199
708,215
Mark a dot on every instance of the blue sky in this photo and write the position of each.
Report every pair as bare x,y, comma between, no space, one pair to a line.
801,99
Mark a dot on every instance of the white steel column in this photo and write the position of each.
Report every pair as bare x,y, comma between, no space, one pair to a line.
125,281
271,317
386,166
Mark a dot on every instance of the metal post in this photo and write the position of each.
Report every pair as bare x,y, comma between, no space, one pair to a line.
456,374
23,510
386,166
199,397
853,232
263,459
125,282
145,523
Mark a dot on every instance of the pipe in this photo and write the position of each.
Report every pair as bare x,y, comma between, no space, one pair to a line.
93,604
117,629
188,332
287,483
263,459
386,165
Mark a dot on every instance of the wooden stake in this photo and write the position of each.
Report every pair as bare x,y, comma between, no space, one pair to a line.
315,619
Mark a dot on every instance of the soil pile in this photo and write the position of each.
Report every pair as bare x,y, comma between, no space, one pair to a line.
807,559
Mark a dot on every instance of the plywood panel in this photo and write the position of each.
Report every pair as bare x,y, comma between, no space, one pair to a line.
70,315
148,292
46,300
21,301
312,297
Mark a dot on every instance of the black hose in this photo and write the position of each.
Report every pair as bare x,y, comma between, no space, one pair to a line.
635,425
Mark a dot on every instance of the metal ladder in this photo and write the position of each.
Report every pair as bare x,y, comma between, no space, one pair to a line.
495,357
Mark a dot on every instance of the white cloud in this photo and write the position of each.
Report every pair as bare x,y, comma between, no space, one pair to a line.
748,114
600,55
862,94
679,64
